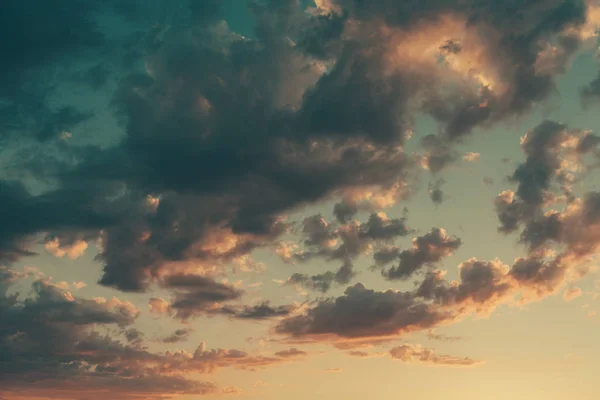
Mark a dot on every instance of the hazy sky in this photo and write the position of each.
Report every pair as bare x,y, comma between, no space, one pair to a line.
285,199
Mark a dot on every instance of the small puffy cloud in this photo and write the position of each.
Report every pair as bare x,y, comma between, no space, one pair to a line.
346,241
322,282
76,285
572,293
426,250
292,352
158,305
232,390
72,250
134,336
416,354
471,156
195,294
262,311
179,335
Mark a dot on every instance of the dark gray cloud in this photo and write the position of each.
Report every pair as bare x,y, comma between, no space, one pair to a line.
194,294
344,211
293,352
426,250
179,335
263,311
299,135
35,35
344,242
438,153
322,282
555,160
45,46
362,312
24,215
487,180
542,147
436,194
441,337
134,336
482,283
347,241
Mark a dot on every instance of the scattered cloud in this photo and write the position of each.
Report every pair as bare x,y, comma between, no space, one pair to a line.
416,354
471,156
572,293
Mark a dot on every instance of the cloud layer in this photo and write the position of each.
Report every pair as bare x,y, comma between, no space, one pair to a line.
177,150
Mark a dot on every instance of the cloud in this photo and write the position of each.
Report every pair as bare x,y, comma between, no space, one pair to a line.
49,340
416,354
358,353
436,193
346,241
572,293
29,54
232,390
134,336
293,352
491,33
209,361
363,314
56,211
441,337
555,155
179,335
323,104
559,243
52,340
364,354
427,249
558,239
195,294
322,282
73,250
487,180
471,156
262,311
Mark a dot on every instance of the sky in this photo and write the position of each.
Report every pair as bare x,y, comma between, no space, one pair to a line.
292,199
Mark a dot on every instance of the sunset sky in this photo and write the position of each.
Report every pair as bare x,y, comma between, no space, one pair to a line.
299,199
